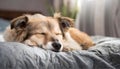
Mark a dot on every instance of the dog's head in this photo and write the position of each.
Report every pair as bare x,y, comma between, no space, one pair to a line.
39,30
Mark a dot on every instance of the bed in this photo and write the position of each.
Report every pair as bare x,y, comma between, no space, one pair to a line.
104,55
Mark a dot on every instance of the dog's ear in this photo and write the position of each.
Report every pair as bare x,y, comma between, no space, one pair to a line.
65,22
19,22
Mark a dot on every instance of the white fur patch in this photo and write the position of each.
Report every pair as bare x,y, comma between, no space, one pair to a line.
49,46
71,42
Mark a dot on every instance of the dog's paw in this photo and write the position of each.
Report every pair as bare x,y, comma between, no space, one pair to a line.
67,49
30,43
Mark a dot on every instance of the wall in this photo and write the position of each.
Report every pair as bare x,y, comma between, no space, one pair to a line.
26,5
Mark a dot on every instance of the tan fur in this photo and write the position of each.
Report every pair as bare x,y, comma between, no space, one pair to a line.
42,31
82,38
74,39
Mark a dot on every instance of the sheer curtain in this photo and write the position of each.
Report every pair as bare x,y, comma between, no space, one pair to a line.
99,17
67,8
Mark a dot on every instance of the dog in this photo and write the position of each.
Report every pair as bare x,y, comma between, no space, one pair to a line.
52,33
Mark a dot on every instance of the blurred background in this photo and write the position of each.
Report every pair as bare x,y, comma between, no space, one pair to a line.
95,17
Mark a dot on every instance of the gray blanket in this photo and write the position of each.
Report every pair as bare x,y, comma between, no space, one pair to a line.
105,55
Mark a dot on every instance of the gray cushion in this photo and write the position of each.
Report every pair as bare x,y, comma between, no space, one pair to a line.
105,55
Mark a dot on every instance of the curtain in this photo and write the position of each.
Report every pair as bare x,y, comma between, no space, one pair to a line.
99,17
67,8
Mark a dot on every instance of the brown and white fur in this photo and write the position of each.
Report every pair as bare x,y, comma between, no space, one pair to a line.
53,33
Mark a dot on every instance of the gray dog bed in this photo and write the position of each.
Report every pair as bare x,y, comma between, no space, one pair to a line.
105,55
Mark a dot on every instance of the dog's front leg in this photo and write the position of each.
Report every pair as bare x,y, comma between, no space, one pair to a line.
30,43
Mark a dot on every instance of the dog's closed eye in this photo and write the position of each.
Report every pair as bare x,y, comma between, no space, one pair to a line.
42,33
58,33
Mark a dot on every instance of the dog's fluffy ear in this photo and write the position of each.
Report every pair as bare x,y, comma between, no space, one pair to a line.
65,22
19,22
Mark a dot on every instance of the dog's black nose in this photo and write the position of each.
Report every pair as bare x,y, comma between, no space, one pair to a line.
56,45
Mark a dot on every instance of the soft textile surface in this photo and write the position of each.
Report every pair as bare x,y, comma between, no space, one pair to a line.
105,55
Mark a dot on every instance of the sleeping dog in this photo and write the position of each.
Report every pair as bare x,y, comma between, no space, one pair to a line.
52,33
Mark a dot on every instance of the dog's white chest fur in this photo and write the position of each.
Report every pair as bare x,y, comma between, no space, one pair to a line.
70,42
